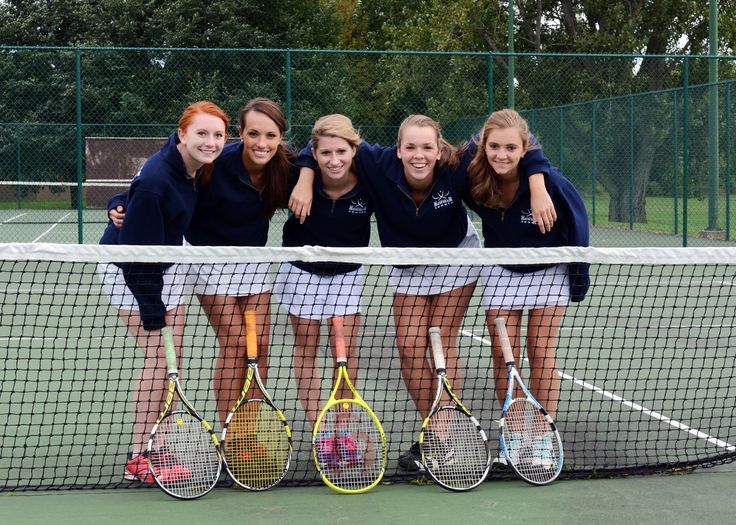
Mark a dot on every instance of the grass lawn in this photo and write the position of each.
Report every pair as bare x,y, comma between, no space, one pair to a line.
661,215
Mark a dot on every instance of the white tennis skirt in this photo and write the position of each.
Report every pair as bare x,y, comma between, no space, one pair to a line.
173,294
432,279
232,279
504,289
319,297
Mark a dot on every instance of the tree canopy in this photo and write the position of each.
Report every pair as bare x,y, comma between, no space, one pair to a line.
583,26
149,86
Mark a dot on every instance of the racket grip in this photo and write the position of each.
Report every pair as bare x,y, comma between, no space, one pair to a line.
438,353
339,333
503,336
168,335
251,337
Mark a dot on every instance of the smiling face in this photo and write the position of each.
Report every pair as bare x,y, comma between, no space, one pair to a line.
261,138
504,149
202,141
334,156
419,151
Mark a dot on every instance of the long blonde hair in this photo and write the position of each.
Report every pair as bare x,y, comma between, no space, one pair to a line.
335,125
448,153
484,187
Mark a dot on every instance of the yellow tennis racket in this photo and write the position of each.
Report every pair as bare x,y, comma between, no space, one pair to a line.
256,437
348,441
183,451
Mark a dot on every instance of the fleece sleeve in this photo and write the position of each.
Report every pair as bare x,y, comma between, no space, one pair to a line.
578,234
143,225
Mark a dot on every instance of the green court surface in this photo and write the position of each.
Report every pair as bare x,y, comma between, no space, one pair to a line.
703,496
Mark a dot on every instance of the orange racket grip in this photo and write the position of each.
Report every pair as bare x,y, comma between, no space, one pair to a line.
251,337
339,333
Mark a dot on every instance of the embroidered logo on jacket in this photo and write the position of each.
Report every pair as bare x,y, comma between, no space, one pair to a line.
358,206
526,217
441,199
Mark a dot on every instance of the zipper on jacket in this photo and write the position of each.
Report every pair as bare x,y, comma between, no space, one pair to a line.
503,210
417,207
250,185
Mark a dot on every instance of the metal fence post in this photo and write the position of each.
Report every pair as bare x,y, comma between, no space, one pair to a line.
675,161
489,82
685,146
631,163
728,161
287,75
80,146
594,146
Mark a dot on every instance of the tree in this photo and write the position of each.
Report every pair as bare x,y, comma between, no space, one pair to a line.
128,87
645,27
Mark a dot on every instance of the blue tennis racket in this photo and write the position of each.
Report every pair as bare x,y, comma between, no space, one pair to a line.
528,434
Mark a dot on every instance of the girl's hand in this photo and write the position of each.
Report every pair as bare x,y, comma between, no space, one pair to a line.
543,209
300,201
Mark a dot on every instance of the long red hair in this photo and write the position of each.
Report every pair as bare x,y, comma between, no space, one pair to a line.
209,108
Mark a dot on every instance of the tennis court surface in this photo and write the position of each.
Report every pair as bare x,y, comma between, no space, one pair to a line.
700,497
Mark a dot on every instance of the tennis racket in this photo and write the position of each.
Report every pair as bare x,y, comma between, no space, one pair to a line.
256,438
348,442
528,434
183,451
454,447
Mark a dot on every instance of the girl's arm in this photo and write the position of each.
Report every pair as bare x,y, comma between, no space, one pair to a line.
543,209
144,225
300,201
116,208
536,164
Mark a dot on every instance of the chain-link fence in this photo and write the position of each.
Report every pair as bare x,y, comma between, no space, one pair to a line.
648,140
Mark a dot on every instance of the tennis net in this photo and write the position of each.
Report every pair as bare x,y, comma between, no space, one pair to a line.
646,360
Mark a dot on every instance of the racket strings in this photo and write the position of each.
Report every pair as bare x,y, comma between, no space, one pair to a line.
455,449
532,447
183,456
350,447
257,445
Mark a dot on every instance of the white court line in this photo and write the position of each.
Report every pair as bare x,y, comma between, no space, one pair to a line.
33,339
597,329
51,228
27,339
634,406
55,288
13,218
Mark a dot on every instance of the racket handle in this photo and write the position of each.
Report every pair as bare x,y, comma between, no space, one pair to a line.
503,336
251,337
438,354
339,333
168,334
